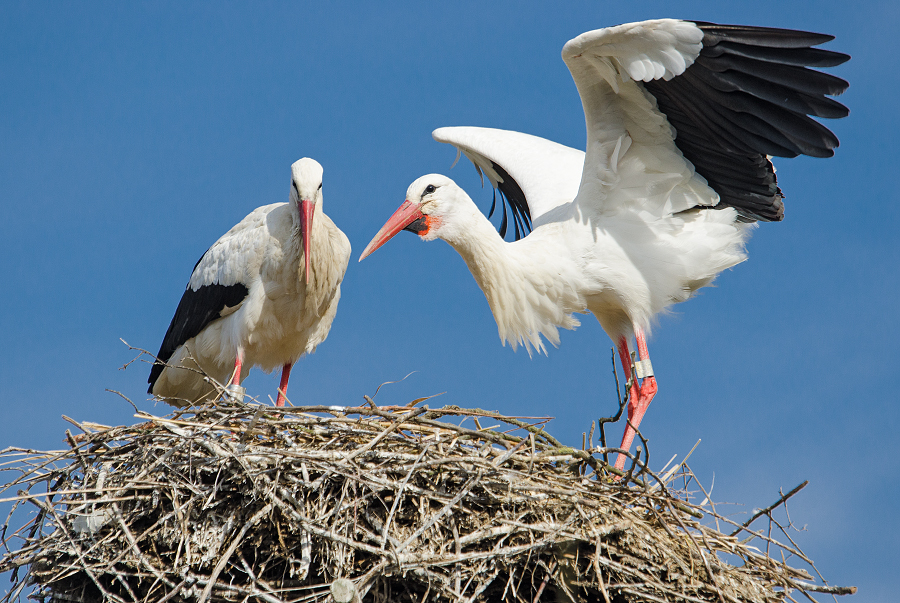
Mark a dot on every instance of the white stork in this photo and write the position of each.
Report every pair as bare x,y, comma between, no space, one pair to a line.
681,117
263,295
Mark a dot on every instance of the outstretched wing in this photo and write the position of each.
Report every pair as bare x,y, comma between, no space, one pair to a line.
532,174
733,94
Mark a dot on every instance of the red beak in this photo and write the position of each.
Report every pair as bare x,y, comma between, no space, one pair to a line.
307,210
405,215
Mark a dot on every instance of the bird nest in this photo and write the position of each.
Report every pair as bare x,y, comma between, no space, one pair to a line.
242,502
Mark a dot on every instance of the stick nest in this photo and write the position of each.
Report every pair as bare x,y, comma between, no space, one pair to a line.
242,502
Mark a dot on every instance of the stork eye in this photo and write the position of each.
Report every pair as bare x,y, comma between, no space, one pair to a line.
430,189
320,186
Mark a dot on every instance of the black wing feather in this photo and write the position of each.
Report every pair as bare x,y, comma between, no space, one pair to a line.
513,196
771,37
798,78
776,94
750,94
753,117
195,311
801,57
503,221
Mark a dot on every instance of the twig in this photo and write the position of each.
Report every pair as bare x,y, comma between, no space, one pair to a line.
771,507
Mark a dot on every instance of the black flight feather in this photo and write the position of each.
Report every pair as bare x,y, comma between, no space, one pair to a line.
748,95
503,221
511,195
195,311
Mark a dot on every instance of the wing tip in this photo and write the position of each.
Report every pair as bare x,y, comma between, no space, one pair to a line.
780,36
440,134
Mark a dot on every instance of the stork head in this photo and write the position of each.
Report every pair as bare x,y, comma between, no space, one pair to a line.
306,191
431,210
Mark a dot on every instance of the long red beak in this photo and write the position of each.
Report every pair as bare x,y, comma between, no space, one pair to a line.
405,215
307,211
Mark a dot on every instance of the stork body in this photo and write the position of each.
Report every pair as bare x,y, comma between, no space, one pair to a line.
680,119
263,295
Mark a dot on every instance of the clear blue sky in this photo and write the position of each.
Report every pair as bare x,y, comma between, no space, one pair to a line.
132,135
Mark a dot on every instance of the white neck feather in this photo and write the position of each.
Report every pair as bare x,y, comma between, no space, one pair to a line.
532,285
329,254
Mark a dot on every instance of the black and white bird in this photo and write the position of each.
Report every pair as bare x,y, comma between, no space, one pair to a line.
681,120
263,295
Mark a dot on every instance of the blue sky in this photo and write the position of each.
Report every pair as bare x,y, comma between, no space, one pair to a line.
135,134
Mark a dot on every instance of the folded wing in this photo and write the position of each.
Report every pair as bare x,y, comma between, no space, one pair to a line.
198,307
218,286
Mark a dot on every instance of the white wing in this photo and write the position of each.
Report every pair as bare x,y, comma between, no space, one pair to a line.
219,285
631,159
727,95
546,173
643,51
238,254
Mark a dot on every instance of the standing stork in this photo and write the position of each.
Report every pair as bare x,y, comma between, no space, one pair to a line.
681,118
263,295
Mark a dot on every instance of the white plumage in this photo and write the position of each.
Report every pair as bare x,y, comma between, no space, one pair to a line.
263,295
680,118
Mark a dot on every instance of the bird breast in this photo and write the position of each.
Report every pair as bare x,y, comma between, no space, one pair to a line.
533,286
280,320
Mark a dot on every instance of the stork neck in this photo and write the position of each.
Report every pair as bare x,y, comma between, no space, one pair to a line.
530,285
482,248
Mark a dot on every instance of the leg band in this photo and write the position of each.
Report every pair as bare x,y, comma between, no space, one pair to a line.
643,368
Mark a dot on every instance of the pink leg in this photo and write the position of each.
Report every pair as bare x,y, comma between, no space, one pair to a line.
648,384
282,389
238,363
625,357
638,399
